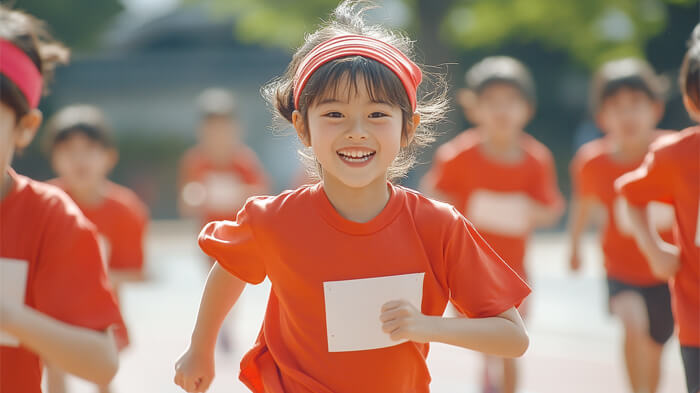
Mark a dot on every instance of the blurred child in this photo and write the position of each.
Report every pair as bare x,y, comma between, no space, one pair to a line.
55,300
361,269
82,155
627,103
220,172
671,173
501,178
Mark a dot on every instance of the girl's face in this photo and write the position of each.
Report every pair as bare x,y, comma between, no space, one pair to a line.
354,139
502,111
82,162
15,134
629,115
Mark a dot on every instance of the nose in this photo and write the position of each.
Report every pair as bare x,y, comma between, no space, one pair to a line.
356,132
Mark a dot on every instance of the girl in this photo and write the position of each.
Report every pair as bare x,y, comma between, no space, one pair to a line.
671,173
82,154
55,301
627,100
515,188
361,269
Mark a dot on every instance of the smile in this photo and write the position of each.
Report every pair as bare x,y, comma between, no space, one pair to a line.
356,155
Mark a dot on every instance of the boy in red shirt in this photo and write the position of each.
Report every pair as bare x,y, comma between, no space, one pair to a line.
627,100
501,178
82,154
671,174
55,300
220,172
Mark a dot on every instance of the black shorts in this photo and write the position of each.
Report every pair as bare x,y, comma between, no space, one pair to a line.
657,299
691,363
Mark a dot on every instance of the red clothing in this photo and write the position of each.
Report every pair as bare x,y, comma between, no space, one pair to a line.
495,196
671,173
121,220
594,170
219,187
41,226
300,242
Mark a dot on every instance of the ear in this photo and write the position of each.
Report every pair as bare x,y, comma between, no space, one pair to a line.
466,99
300,127
599,122
112,157
407,138
27,128
659,109
693,111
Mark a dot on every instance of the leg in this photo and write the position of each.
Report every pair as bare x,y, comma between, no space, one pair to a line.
104,389
55,379
661,326
691,363
631,309
487,384
510,376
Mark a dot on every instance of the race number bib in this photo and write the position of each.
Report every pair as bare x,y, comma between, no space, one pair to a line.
661,216
224,192
499,212
353,308
13,284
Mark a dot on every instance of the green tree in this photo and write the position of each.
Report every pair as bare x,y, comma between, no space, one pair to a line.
77,23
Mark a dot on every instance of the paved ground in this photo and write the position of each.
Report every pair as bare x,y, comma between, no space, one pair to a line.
575,346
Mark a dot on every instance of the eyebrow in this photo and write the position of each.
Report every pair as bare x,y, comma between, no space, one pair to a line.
332,100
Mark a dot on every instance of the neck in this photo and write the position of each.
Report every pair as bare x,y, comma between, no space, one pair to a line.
634,149
501,149
357,204
87,196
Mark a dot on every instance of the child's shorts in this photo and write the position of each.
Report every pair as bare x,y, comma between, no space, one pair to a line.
657,299
691,363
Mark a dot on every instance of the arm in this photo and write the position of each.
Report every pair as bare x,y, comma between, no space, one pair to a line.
662,257
502,335
194,370
581,208
545,216
87,353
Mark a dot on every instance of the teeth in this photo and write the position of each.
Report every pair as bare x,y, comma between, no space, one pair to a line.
355,155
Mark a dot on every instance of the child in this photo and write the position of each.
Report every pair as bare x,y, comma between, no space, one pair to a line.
361,269
671,173
82,155
627,103
55,301
498,176
220,172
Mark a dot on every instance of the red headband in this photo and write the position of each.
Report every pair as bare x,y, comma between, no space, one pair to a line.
21,70
356,45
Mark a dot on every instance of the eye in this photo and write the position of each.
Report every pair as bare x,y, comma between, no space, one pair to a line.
376,115
333,114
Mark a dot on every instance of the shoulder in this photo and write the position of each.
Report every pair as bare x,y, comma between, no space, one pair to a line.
677,142
428,212
126,200
51,202
536,150
271,206
590,153
467,141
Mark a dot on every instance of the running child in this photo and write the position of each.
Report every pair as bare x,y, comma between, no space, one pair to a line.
55,300
361,269
671,174
82,154
627,101
501,178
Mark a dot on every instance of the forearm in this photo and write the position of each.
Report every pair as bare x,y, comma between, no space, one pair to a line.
544,216
578,220
649,242
87,353
220,294
495,335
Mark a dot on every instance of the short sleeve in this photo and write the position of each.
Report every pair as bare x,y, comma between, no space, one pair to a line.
545,188
70,282
481,284
234,246
652,181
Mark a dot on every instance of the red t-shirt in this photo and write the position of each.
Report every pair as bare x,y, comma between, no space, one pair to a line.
42,227
300,242
671,173
217,188
495,196
121,220
594,171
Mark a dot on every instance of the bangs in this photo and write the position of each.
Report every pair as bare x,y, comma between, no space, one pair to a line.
338,79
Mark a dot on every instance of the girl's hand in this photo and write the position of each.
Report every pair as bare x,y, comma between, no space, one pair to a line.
194,370
403,321
574,260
